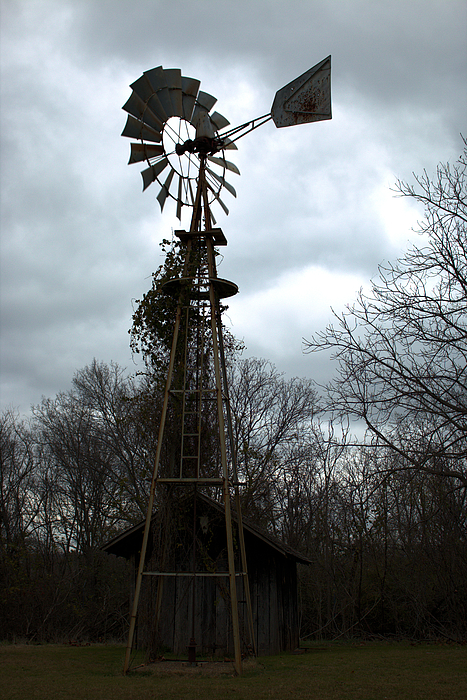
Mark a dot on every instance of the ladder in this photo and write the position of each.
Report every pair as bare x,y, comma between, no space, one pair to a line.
197,381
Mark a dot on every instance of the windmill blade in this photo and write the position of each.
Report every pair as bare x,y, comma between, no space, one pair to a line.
151,173
188,104
229,145
218,199
219,121
164,193
191,193
190,87
204,103
206,100
144,151
173,77
158,82
305,99
140,109
222,181
179,199
135,129
144,90
224,164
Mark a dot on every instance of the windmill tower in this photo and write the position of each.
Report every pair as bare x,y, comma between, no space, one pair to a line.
184,145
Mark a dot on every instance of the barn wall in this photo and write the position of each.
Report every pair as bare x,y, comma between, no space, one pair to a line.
212,617
273,586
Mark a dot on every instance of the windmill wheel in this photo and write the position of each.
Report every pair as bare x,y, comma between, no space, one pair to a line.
171,119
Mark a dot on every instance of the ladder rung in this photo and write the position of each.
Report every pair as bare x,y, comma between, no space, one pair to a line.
204,390
186,573
191,480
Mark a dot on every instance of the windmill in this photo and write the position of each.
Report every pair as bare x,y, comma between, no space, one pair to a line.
185,145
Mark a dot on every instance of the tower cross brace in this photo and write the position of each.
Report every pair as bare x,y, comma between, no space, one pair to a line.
197,384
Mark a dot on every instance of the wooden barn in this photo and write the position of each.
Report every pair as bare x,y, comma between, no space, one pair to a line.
204,603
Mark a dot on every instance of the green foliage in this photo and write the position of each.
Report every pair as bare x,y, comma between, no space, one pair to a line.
154,316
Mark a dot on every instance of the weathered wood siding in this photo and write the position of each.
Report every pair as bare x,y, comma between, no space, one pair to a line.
273,586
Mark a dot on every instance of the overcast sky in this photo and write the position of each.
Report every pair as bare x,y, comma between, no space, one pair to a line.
314,215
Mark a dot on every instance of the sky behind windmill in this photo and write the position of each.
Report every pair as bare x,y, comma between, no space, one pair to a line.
314,215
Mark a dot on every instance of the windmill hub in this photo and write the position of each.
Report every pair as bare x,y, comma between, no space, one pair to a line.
202,145
176,133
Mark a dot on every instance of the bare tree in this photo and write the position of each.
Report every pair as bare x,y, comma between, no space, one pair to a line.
402,348
270,415
18,506
93,455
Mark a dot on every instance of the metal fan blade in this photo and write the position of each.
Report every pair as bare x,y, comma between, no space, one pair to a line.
222,181
204,102
190,87
218,199
151,173
144,89
158,82
156,78
219,121
174,83
144,151
140,109
179,199
155,105
135,129
188,102
224,164
229,145
164,193
173,78
191,192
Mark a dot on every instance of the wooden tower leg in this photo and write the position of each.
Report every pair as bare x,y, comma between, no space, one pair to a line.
199,276
152,492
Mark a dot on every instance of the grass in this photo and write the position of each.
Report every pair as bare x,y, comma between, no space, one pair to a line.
373,671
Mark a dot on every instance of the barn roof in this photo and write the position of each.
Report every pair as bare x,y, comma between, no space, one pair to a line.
129,541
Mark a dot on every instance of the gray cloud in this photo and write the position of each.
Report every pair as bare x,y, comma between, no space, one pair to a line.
79,240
